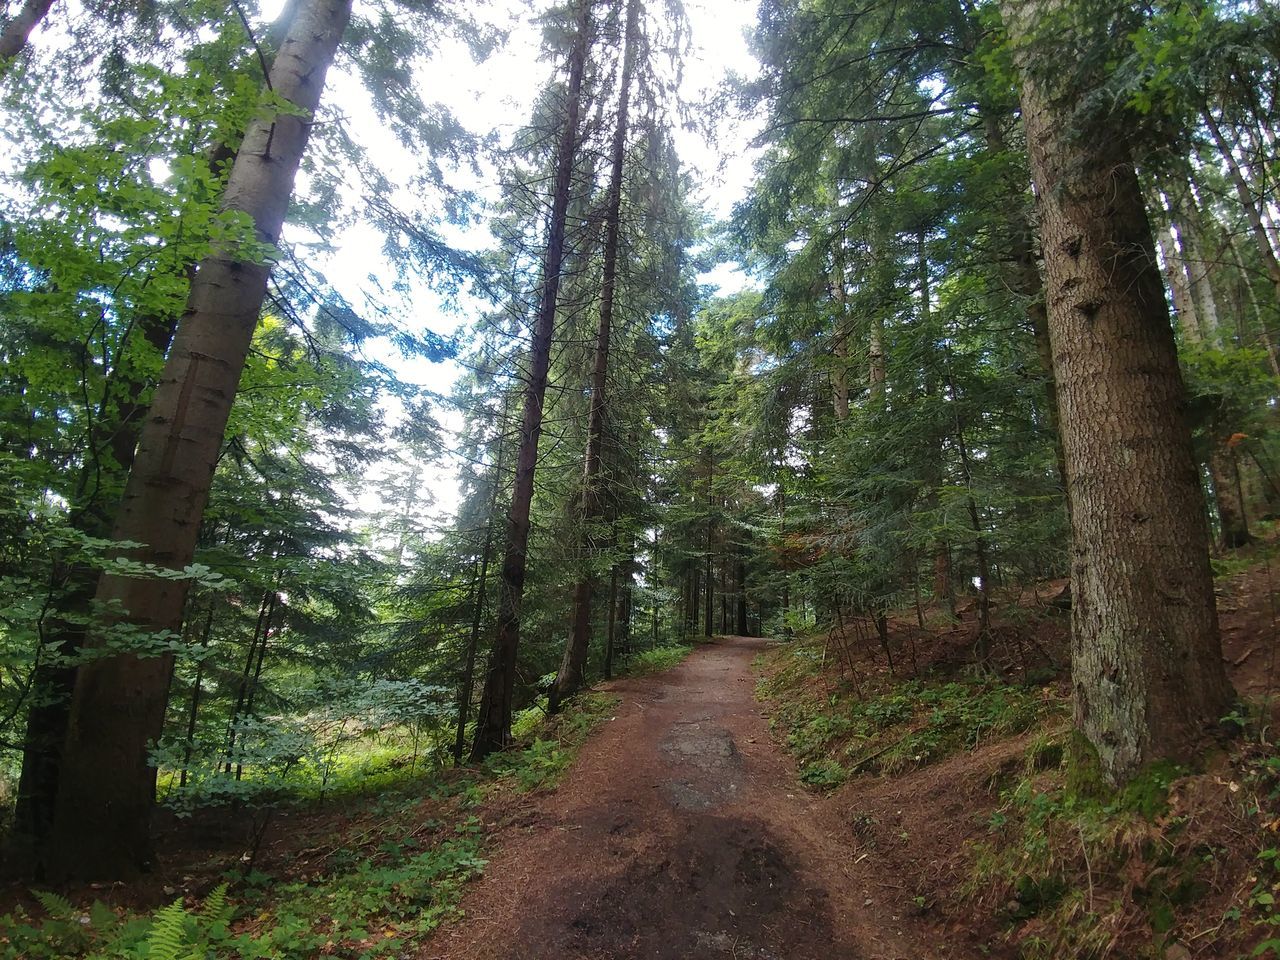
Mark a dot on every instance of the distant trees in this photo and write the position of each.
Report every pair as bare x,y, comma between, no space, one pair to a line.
893,219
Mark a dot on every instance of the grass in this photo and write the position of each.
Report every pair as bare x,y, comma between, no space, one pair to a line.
371,894
837,734
657,659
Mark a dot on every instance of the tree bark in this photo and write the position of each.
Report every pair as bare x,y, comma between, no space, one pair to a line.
1146,656
17,31
493,723
569,678
107,786
1175,269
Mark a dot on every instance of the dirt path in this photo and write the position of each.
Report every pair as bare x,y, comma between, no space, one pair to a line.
680,833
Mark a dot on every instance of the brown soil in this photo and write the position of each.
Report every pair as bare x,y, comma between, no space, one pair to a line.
681,832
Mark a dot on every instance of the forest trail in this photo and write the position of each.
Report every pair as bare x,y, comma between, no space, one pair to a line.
681,831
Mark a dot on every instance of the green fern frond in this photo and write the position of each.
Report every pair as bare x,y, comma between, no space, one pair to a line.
58,907
216,907
168,933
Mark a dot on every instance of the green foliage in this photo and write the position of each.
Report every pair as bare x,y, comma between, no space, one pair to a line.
910,724
656,659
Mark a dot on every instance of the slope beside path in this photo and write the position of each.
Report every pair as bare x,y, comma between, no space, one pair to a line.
681,832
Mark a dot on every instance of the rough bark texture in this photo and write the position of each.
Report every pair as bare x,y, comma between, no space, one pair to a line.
569,678
1146,657
493,722
107,785
16,32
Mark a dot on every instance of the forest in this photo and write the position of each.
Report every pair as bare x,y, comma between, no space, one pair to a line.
444,513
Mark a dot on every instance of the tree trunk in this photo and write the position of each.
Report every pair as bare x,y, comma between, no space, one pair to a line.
741,578
107,784
493,724
190,743
1224,472
708,596
612,624
841,335
1253,211
875,359
1175,269
17,31
467,687
1146,657
569,678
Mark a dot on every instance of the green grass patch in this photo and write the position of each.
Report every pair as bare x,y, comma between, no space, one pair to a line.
835,733
656,659
394,876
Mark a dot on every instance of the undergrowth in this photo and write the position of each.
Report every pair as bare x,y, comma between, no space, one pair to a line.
362,894
837,731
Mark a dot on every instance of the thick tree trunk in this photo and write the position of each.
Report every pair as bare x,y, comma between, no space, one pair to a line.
493,723
107,784
103,475
17,31
569,678
1146,657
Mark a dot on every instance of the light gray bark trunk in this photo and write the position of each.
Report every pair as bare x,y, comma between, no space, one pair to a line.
107,785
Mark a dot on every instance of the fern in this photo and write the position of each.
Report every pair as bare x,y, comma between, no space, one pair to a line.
217,909
168,934
58,907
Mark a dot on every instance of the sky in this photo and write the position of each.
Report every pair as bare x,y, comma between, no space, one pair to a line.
498,95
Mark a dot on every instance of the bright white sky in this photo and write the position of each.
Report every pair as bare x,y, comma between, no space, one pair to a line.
498,95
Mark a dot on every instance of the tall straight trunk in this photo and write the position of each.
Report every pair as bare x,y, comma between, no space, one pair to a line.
466,688
189,744
741,580
1225,474
1253,209
943,590
493,723
255,683
1190,227
1024,279
1184,306
107,785
569,678
611,627
1146,656
709,596
875,358
983,645
17,31
841,335
242,688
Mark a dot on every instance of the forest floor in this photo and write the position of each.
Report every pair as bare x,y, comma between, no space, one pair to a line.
681,832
